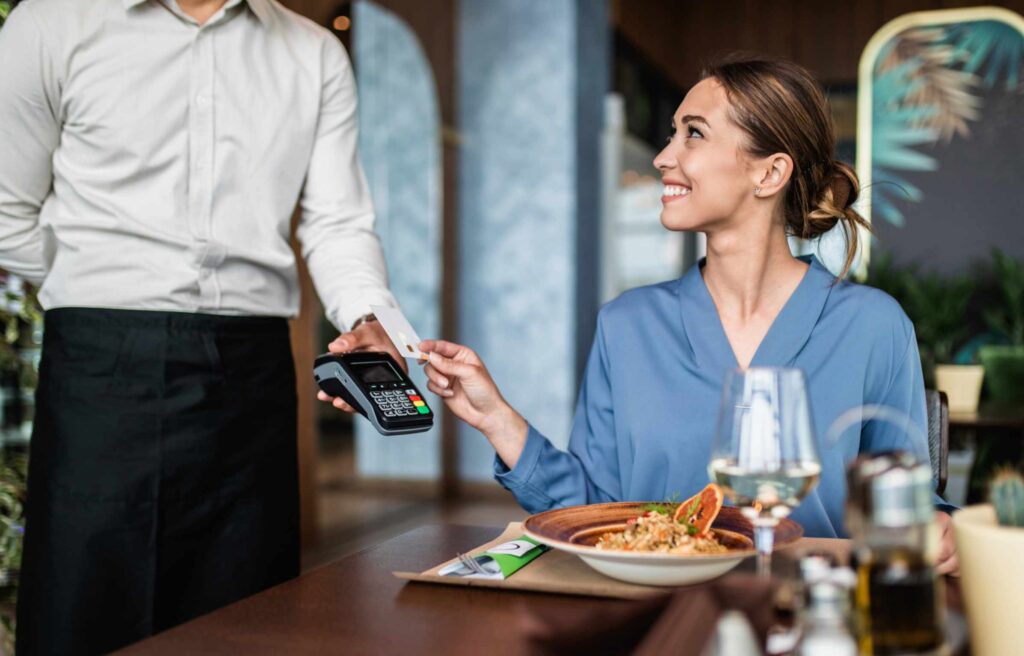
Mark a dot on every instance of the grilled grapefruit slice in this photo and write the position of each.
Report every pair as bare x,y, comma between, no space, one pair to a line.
701,509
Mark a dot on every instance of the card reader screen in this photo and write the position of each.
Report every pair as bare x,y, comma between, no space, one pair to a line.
376,372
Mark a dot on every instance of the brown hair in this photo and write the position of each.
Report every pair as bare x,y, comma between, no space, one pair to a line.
783,110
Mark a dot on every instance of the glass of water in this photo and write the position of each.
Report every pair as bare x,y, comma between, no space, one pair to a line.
764,454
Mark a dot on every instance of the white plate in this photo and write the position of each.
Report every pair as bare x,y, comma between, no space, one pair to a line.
574,530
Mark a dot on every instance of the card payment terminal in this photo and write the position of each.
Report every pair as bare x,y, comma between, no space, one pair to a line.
376,386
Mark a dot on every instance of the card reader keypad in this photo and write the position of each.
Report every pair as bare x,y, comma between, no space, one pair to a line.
399,402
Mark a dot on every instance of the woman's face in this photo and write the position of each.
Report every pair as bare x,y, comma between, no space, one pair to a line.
708,178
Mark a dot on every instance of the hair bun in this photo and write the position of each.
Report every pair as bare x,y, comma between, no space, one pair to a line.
842,189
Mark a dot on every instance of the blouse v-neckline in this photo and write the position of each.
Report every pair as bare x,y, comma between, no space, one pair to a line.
785,337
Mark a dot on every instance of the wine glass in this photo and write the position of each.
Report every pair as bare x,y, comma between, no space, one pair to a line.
764,454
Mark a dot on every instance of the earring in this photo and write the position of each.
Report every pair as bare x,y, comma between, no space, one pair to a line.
757,191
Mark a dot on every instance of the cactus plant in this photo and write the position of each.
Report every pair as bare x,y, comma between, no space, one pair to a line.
1007,494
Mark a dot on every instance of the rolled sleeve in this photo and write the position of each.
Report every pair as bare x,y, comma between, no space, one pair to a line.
520,480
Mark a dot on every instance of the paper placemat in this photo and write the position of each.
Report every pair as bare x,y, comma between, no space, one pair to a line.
554,571
564,573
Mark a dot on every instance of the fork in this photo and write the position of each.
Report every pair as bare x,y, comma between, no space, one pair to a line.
470,563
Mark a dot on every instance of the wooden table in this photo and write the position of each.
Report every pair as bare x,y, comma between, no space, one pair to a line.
355,606
1010,419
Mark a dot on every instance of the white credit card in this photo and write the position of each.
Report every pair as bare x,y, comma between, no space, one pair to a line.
400,331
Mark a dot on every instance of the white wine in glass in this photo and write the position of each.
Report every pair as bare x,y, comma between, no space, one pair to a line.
764,454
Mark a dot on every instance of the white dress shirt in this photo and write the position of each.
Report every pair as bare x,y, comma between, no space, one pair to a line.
148,162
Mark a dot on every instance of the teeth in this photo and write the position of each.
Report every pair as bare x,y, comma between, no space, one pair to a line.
675,190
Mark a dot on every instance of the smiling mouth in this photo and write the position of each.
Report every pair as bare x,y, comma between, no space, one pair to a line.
673,192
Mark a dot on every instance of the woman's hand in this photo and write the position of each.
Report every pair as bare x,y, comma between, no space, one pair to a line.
459,377
948,562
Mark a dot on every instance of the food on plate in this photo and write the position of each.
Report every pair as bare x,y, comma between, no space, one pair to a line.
684,529
701,509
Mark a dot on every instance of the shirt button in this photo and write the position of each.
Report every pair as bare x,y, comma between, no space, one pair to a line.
201,100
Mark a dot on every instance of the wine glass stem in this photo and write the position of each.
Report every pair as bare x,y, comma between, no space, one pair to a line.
764,542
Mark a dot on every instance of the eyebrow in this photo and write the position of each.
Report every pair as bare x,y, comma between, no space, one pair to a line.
693,118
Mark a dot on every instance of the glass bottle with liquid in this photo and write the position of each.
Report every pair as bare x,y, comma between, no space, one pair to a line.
899,597
824,623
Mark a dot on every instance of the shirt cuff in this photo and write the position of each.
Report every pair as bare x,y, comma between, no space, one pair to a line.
521,474
346,314
943,505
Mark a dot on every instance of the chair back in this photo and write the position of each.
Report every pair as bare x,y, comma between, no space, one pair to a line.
938,436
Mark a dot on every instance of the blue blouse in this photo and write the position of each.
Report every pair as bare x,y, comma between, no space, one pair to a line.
649,400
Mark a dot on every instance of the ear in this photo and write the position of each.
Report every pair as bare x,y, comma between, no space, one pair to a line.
773,172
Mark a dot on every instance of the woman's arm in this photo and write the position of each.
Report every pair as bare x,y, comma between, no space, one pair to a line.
458,375
905,393
540,475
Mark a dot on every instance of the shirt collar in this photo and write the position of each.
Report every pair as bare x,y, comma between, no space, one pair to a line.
785,338
262,10
258,7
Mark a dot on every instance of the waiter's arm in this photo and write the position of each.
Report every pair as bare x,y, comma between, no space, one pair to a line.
336,228
29,134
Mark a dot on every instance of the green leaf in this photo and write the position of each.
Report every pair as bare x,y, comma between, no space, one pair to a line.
690,510
1006,316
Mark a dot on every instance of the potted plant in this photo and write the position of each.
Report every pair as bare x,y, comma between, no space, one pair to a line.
938,307
1004,363
990,540
13,476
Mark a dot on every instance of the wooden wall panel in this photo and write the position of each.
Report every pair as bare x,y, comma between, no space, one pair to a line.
826,37
305,347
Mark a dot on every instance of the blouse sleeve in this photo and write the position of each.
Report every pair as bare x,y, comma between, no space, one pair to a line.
905,394
546,477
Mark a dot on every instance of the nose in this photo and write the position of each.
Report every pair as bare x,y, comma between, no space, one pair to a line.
665,160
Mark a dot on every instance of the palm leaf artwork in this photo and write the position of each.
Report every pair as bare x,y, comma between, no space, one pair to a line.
898,126
943,86
923,92
992,48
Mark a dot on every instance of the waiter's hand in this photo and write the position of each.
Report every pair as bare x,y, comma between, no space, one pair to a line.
367,336
948,562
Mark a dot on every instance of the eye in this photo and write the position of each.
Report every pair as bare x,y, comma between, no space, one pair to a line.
693,132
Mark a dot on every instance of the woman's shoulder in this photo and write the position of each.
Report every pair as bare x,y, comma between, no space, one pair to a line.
870,310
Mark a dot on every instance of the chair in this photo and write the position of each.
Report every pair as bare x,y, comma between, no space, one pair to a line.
938,436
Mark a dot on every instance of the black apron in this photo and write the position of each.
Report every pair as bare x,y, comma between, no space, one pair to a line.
163,474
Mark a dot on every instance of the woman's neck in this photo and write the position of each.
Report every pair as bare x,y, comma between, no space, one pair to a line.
749,274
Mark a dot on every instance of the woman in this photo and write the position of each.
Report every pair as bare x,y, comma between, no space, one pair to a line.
751,161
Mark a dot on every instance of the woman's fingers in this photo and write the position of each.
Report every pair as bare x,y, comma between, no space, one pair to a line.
434,376
450,367
950,567
948,562
442,392
447,349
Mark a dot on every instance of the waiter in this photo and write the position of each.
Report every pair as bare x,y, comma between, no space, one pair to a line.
151,155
